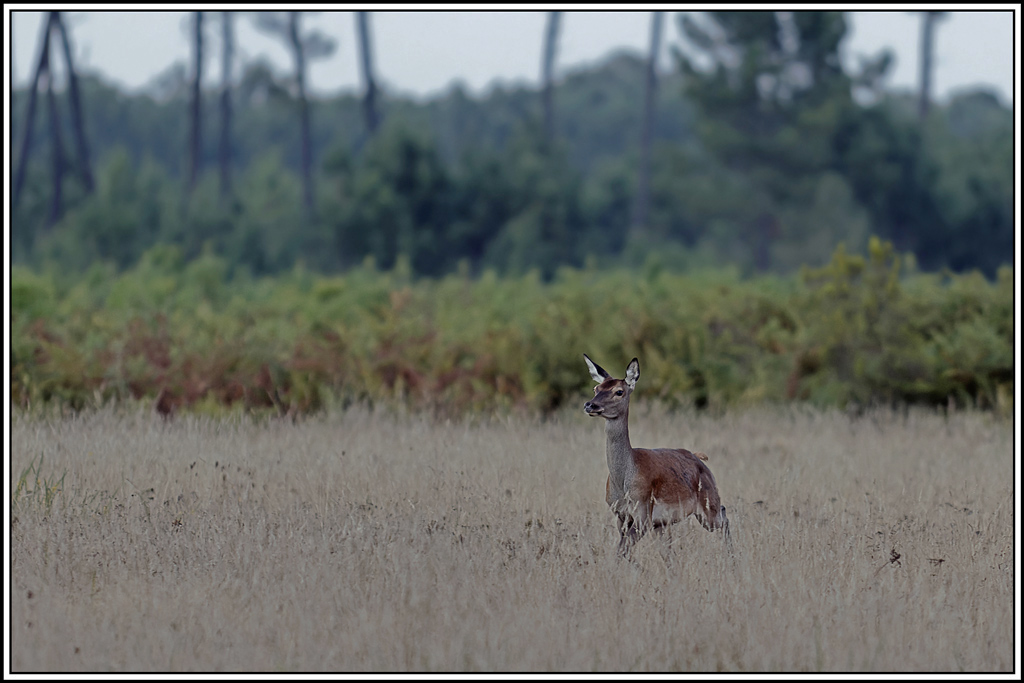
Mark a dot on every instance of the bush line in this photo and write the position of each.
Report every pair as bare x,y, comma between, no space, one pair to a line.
861,330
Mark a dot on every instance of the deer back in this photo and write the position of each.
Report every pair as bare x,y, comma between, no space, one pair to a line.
675,478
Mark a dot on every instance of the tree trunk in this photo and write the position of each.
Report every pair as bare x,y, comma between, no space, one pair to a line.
195,114
365,52
225,107
642,204
928,20
77,119
547,72
59,163
300,81
42,66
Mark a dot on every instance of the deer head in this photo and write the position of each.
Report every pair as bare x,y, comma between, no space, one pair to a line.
611,396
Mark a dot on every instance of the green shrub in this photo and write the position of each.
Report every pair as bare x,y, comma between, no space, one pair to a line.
858,330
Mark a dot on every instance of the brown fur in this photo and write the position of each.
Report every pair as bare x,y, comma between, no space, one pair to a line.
659,486
675,476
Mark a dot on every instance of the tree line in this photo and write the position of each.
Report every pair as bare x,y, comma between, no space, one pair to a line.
758,148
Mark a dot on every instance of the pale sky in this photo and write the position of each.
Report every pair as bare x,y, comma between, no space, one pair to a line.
423,53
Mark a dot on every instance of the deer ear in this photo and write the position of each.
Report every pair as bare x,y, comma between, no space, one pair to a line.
632,373
596,371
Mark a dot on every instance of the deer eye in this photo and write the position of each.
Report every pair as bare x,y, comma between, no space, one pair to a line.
619,392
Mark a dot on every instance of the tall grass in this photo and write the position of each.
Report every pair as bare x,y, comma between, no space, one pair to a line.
365,541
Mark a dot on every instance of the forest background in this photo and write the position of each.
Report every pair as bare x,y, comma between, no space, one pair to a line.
245,243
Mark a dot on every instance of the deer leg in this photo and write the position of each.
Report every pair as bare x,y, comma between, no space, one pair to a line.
723,522
631,529
622,525
707,521
625,544
628,535
638,524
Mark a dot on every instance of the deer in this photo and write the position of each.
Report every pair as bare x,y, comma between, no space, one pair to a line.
649,488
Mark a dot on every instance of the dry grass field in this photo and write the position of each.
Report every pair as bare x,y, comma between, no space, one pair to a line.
365,541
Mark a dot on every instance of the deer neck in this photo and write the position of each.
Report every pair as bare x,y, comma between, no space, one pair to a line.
618,450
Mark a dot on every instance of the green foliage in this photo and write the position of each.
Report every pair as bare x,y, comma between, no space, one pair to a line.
396,199
33,488
973,186
878,339
801,166
763,159
545,219
184,335
126,215
266,237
